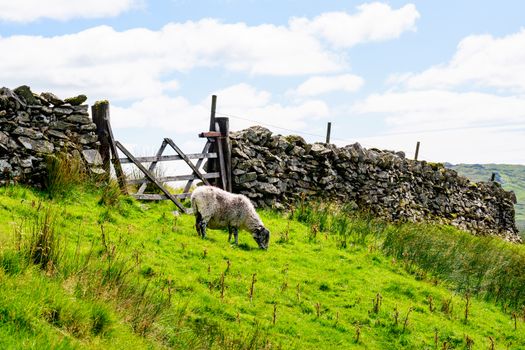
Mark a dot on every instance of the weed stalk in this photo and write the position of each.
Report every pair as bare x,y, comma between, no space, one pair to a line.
405,324
492,344
430,303
377,303
222,286
396,316
467,305
252,287
469,342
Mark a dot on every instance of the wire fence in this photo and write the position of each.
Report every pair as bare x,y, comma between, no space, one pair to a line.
298,132
518,125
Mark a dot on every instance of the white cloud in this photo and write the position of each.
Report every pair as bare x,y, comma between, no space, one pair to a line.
470,110
473,145
245,105
32,10
373,22
455,127
480,61
175,114
242,96
131,64
262,49
170,85
280,118
437,109
324,84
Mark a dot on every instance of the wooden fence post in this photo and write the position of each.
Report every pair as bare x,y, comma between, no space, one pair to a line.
224,128
328,130
212,165
100,112
417,150
212,114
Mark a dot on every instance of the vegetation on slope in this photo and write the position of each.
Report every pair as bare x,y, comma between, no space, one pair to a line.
511,177
92,270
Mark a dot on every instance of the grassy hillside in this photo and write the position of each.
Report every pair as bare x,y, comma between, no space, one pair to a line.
511,177
78,273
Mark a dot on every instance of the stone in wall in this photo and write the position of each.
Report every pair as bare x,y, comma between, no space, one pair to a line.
33,126
274,171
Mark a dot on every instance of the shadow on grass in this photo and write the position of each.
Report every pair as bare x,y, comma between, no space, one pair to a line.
244,246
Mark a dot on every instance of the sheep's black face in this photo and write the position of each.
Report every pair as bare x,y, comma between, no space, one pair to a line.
262,237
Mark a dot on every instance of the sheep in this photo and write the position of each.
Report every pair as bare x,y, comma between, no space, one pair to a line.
216,209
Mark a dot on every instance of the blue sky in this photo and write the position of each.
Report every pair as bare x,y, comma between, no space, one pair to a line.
387,74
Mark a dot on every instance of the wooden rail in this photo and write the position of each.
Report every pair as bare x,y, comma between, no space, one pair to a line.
159,197
169,158
175,178
150,176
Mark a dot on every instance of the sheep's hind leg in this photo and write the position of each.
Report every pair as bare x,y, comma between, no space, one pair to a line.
198,219
230,231
200,225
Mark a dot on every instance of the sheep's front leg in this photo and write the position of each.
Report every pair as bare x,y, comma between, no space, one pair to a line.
236,235
203,229
235,232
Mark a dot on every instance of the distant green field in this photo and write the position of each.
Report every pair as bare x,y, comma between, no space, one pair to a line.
511,177
77,274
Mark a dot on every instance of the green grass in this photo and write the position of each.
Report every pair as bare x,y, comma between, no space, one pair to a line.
134,275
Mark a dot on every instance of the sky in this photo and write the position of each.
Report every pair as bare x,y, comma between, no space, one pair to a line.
386,74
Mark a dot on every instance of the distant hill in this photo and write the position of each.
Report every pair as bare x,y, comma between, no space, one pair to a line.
511,177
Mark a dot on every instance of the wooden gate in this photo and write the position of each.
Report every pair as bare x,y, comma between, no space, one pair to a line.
216,151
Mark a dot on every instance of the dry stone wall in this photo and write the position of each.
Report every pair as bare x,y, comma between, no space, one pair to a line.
275,170
33,126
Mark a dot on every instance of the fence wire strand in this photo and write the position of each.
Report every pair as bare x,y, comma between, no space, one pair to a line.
402,133
285,129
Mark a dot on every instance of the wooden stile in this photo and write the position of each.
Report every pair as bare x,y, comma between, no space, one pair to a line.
217,150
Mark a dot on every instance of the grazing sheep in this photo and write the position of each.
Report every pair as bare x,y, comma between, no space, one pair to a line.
216,209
